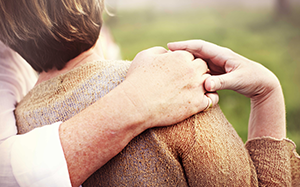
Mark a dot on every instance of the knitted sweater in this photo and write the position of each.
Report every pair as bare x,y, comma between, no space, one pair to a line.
203,150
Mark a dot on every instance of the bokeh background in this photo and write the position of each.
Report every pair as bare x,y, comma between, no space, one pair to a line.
265,31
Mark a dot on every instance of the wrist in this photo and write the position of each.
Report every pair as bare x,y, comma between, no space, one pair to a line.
125,103
269,91
267,84
267,117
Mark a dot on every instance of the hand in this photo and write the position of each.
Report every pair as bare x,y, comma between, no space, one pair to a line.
231,71
234,72
167,87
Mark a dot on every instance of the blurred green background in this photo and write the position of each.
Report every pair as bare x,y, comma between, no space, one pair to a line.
261,34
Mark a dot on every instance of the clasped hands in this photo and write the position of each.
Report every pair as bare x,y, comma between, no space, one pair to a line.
186,79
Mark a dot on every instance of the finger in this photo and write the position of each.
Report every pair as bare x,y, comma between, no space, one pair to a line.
185,54
209,104
201,65
214,98
199,48
220,82
205,50
211,99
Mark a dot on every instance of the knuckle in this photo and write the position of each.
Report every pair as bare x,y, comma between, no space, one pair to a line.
200,61
176,54
203,64
200,66
160,48
182,54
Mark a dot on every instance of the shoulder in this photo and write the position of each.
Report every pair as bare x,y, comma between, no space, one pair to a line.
97,75
63,96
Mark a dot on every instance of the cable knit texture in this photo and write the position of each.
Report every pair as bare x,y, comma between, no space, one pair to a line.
203,150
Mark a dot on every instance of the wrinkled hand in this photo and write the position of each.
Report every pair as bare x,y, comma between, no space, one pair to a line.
231,71
167,87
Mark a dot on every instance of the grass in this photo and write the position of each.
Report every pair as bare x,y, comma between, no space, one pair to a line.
255,34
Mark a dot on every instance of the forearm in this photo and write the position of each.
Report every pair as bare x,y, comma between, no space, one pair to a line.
154,93
267,117
100,132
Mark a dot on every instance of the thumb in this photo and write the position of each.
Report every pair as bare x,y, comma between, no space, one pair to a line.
220,82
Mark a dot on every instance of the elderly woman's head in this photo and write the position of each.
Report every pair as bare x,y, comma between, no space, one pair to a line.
49,33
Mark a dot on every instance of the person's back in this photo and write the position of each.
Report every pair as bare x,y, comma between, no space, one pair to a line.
203,150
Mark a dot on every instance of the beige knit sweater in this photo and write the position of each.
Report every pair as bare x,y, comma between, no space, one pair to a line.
203,150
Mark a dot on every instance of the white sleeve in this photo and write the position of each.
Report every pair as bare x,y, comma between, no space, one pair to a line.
35,158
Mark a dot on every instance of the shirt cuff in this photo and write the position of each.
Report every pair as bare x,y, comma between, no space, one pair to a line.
38,160
272,160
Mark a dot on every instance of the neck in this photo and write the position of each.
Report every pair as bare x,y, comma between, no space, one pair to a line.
90,55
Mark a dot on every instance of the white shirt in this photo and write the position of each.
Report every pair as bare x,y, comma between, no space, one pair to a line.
35,158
